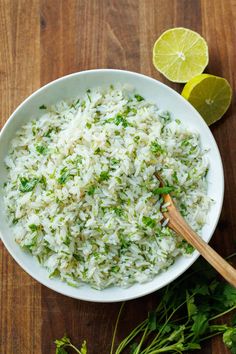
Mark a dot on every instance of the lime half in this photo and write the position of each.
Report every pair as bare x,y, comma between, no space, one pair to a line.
180,54
210,95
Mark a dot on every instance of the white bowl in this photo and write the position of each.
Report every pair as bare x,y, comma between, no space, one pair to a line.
69,87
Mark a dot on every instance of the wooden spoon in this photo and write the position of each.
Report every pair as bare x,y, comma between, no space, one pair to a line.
177,223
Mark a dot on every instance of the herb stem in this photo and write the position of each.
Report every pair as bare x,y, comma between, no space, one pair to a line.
222,313
75,349
115,330
137,350
131,336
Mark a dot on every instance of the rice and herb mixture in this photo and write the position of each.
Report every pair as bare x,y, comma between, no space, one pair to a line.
81,195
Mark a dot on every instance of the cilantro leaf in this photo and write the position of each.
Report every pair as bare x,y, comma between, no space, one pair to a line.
33,227
119,119
43,106
61,351
41,149
104,176
191,307
152,321
229,294
149,221
83,349
138,98
27,185
60,342
163,190
64,176
200,325
229,339
156,148
91,190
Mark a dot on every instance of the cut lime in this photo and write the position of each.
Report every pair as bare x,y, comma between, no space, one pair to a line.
210,95
180,54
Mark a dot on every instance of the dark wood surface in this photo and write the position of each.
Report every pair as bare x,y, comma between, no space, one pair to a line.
41,40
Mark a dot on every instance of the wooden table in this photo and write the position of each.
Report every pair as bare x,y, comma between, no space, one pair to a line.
41,40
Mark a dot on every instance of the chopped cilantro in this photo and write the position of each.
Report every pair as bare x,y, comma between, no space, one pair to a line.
88,91
41,149
127,110
77,102
77,257
114,161
98,151
83,104
64,176
42,106
156,148
88,125
139,98
104,176
43,181
163,190
119,119
15,221
48,133
147,221
175,177
166,116
118,180
27,185
91,190
33,227
118,211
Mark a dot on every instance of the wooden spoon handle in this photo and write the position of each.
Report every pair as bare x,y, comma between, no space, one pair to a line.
179,225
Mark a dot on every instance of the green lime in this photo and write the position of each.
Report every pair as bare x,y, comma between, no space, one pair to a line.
210,95
180,54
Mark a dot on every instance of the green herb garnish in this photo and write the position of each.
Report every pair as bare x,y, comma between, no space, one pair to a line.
33,227
91,190
189,311
118,211
147,221
104,176
41,149
88,91
65,342
64,176
156,148
162,190
42,106
114,161
139,98
27,185
119,119
185,316
48,133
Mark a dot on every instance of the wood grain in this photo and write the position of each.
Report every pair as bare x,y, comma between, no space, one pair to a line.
41,40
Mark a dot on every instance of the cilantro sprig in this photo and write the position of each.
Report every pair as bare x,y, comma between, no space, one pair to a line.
187,314
65,342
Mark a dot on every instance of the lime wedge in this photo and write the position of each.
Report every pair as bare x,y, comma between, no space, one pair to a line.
210,95
180,54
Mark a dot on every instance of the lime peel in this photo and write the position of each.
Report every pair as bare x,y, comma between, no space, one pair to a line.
211,96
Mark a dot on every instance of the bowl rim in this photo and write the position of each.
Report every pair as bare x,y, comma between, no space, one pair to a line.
194,256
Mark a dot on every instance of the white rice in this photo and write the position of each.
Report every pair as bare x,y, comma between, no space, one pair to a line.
81,195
